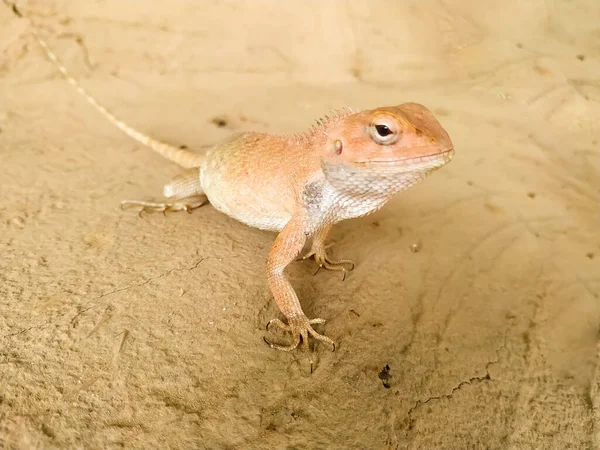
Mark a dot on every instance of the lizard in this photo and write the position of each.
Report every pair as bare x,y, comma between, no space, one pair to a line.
347,165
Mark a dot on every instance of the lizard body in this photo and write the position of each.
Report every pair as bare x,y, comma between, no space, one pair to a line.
346,166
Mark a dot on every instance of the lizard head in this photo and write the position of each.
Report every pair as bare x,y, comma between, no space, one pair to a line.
401,144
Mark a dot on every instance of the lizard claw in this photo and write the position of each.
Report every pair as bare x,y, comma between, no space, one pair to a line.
301,329
324,261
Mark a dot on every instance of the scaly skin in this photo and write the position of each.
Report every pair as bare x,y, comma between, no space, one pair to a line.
346,166
301,186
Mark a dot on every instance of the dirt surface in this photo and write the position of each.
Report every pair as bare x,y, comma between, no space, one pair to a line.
125,332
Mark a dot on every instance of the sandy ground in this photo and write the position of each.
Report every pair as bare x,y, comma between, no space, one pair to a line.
121,332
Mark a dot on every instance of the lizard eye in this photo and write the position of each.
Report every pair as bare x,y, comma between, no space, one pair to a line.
383,130
384,133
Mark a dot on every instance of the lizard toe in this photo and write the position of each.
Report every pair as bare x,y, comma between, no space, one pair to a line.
184,204
300,328
330,264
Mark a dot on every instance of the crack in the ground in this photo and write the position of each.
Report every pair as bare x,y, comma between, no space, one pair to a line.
79,41
26,330
416,316
14,9
77,37
477,378
106,294
145,282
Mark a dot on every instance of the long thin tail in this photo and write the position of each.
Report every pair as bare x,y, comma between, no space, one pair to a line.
179,156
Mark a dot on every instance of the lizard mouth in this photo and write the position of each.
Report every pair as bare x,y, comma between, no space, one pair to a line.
444,156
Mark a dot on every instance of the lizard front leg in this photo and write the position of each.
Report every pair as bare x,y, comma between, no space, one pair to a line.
287,246
319,251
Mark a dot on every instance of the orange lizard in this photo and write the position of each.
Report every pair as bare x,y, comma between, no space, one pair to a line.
345,166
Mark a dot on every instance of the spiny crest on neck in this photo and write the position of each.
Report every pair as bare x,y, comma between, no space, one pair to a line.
322,123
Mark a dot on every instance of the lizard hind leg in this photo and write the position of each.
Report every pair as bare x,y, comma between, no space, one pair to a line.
183,193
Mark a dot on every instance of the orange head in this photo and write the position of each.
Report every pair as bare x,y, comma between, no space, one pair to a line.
401,144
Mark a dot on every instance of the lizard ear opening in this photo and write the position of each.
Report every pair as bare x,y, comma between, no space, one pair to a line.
338,147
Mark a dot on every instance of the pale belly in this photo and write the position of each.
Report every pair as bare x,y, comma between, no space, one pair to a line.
244,183
245,204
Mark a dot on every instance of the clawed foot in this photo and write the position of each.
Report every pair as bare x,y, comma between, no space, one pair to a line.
323,260
300,327
184,204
